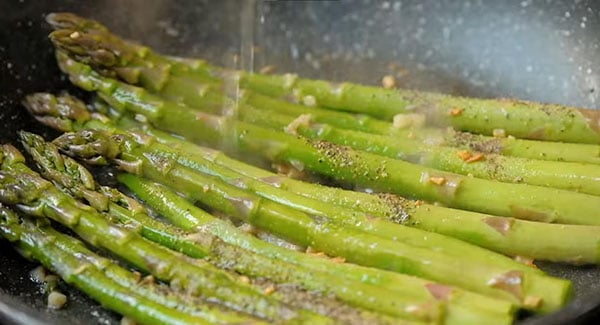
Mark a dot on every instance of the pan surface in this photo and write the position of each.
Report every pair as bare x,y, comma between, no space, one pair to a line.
539,50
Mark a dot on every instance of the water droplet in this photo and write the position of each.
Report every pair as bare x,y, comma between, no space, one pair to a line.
370,53
446,32
294,51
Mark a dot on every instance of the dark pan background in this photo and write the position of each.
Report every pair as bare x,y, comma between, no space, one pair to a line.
539,50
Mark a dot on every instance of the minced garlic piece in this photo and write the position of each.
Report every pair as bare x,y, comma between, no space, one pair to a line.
499,133
437,180
403,121
456,111
56,300
388,82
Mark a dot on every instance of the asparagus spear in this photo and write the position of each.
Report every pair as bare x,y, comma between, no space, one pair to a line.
399,305
48,158
402,303
519,118
506,235
68,114
359,221
579,177
483,230
509,146
480,227
570,176
183,213
342,163
306,230
113,286
93,283
78,182
34,195
141,65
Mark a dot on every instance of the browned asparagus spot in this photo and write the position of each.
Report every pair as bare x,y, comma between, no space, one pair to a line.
530,214
439,291
593,118
511,281
500,224
274,180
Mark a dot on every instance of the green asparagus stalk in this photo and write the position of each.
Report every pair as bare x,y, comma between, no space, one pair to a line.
34,195
180,211
579,177
381,300
521,119
307,230
483,230
48,158
68,114
112,285
506,235
115,57
185,215
148,287
78,182
357,220
140,65
52,164
569,176
342,163
509,146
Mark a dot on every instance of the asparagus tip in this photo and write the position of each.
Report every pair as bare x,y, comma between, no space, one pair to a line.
94,146
60,20
87,47
10,155
57,112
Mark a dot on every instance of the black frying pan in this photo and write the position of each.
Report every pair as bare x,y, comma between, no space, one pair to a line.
538,50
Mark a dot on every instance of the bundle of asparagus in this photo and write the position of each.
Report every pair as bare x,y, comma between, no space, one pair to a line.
394,256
